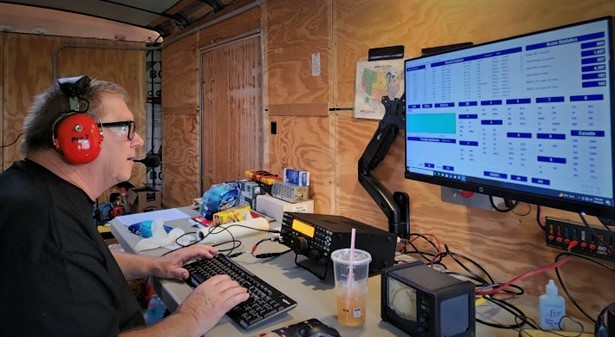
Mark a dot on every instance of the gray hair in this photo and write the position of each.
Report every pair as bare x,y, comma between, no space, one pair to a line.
51,104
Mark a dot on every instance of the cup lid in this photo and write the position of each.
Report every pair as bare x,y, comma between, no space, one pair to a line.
343,256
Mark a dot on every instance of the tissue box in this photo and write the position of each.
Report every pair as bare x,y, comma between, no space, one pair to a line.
143,199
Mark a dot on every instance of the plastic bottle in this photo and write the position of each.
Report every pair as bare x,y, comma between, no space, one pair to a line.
155,310
552,308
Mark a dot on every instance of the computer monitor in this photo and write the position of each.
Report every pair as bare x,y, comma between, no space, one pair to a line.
527,118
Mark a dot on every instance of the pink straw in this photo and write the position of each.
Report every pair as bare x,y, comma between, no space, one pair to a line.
352,236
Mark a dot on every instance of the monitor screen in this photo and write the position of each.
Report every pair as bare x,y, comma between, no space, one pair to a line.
527,118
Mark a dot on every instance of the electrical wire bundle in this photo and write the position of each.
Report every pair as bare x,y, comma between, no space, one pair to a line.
487,289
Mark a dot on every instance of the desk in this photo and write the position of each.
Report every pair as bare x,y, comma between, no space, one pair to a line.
315,298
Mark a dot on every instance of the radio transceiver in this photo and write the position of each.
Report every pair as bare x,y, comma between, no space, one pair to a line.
316,236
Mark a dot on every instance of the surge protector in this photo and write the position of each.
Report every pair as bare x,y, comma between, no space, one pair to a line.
594,242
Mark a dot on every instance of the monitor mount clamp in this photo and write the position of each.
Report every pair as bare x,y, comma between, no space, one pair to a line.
395,206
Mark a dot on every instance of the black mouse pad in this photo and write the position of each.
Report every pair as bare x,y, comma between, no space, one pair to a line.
291,330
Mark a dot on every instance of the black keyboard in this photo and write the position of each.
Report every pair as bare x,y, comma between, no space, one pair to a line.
265,301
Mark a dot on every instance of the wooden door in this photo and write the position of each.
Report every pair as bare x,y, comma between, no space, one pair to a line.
232,111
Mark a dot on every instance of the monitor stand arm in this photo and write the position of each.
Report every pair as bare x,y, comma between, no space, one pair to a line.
395,207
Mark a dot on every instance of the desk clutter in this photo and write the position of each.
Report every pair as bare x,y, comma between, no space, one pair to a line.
127,199
267,193
416,297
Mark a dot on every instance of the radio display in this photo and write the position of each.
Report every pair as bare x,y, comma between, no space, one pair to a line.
303,228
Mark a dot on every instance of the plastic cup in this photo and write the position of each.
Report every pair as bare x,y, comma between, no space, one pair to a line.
351,294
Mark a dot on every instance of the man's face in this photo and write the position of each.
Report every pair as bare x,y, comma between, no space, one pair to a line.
118,151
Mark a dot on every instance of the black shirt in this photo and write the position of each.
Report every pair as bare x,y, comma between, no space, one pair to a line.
58,277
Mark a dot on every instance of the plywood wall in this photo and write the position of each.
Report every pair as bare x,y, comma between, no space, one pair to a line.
181,105
317,132
27,64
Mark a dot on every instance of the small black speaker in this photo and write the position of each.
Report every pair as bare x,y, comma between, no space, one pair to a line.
386,53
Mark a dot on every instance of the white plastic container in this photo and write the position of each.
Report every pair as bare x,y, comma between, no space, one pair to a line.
552,308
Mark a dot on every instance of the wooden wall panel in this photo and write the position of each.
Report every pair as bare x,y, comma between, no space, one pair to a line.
296,30
180,93
181,157
303,143
249,21
363,24
27,72
180,126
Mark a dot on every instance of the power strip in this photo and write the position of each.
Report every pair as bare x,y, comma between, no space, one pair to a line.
594,242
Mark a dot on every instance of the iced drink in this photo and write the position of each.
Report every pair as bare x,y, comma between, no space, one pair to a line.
351,293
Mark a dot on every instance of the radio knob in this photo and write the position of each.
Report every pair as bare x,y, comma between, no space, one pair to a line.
300,245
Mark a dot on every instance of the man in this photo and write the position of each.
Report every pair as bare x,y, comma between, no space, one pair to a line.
58,276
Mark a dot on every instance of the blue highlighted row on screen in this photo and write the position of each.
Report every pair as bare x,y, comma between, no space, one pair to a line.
520,135
512,101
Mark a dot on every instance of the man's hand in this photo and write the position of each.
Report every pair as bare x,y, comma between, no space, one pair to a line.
170,265
211,300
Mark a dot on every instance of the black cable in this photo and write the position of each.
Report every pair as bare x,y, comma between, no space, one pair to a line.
591,229
452,255
529,210
554,333
540,224
561,281
13,142
421,253
267,255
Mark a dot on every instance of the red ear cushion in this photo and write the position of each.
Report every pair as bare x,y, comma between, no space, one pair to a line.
78,138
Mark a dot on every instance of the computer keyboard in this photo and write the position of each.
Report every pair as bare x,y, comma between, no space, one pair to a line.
265,301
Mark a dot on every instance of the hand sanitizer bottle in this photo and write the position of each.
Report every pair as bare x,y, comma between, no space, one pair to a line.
552,308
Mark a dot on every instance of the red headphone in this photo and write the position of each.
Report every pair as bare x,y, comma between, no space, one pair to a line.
77,135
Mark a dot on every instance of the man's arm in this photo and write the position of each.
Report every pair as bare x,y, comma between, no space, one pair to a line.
134,266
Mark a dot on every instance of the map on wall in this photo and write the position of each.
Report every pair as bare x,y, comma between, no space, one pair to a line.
376,79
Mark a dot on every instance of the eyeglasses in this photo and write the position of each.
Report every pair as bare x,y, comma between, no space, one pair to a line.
123,128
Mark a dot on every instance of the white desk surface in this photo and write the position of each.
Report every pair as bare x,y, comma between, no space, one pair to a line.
315,298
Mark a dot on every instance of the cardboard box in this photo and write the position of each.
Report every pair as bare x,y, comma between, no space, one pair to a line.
235,214
143,199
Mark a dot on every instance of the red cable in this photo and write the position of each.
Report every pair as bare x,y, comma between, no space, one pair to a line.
526,275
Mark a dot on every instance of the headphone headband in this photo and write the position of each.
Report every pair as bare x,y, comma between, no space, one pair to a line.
73,87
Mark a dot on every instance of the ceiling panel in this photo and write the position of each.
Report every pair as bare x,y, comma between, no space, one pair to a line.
158,17
136,12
